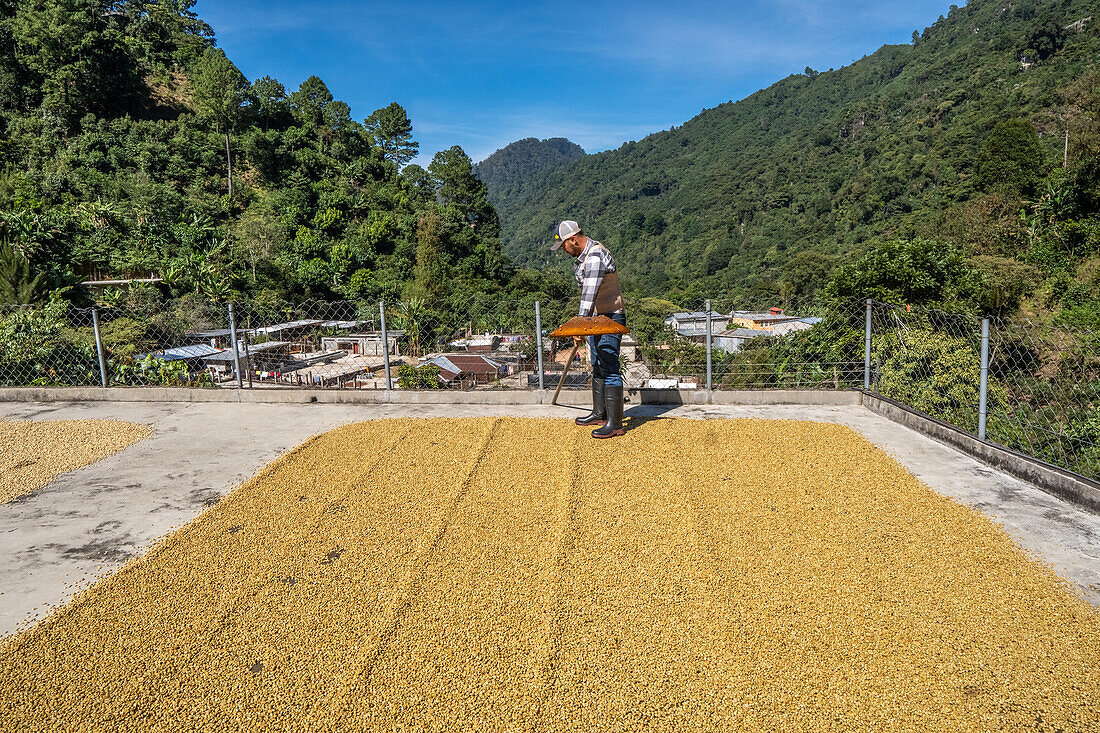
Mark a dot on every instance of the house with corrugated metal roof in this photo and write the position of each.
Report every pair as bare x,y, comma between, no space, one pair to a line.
467,370
693,324
481,344
760,319
734,339
367,343
268,356
195,352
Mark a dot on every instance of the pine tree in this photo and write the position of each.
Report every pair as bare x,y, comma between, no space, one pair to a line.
220,91
392,131
18,286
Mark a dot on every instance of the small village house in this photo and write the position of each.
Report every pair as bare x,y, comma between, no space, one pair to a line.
467,371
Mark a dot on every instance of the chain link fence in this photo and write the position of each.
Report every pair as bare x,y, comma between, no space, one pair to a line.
418,344
815,346
1040,393
1032,387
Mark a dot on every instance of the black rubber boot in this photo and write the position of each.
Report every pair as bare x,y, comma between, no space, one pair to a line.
599,409
613,398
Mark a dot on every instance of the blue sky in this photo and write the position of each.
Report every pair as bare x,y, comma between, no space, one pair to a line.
483,74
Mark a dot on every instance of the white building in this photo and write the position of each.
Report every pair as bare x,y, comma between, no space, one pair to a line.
363,344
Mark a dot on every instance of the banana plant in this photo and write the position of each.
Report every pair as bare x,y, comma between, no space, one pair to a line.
410,311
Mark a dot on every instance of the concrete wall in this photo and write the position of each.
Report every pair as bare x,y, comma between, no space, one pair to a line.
425,397
1053,480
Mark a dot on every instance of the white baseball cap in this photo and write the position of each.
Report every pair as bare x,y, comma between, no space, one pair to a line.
564,231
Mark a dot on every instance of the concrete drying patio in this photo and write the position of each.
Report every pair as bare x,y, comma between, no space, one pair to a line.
512,573
87,523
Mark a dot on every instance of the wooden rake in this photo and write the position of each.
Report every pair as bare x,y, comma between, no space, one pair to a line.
582,326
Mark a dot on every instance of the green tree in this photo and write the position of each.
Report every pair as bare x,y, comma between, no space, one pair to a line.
18,284
453,172
805,274
1043,40
165,33
431,276
220,91
411,311
311,99
256,237
269,103
1004,283
75,59
392,131
904,271
1011,158
337,116
13,74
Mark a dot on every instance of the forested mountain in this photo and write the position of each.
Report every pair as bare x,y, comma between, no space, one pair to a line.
130,145
511,166
961,169
953,144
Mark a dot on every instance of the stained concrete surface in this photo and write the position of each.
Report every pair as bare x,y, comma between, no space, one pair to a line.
87,523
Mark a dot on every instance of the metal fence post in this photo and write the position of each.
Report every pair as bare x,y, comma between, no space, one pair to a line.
867,348
538,340
983,388
385,343
99,348
709,332
236,351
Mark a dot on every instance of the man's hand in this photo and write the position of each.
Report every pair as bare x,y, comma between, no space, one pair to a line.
578,340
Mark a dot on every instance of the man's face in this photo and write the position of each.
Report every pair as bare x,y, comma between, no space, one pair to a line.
573,246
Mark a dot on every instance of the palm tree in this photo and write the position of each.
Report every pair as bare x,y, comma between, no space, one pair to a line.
410,311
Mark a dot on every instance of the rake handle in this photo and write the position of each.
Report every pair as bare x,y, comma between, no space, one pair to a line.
568,362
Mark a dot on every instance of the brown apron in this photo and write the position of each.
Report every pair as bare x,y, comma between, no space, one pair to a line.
609,298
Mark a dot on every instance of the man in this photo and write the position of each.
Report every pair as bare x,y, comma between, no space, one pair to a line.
594,269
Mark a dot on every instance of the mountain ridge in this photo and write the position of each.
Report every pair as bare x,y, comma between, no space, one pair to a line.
826,162
509,167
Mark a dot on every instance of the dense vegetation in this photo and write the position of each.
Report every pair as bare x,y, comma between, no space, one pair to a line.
939,163
130,145
508,168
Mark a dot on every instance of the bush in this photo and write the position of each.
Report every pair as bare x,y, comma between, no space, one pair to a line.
425,377
934,373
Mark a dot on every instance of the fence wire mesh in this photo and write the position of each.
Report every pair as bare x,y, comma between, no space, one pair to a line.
1043,387
929,360
444,344
801,347
1043,394
48,345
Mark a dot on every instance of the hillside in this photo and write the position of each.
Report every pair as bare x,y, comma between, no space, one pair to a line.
137,148
892,145
506,170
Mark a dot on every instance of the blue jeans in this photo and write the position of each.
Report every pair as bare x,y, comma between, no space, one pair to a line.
605,353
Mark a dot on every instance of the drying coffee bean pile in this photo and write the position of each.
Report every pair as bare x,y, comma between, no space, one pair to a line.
34,452
514,574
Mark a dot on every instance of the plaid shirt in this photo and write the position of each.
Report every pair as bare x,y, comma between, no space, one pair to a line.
589,270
